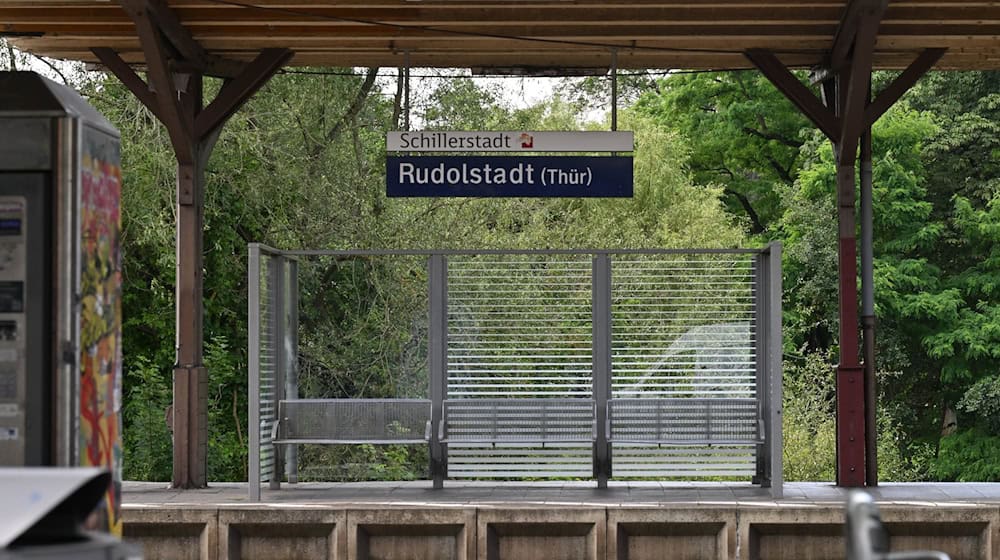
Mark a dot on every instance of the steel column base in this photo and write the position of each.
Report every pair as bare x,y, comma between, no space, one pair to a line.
850,426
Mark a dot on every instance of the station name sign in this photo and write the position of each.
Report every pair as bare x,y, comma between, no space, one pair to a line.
527,170
508,141
499,176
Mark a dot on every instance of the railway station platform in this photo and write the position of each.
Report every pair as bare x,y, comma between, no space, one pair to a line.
550,520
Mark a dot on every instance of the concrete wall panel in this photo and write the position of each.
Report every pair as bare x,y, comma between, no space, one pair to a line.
688,534
790,533
542,534
281,533
173,533
744,531
964,533
786,533
411,534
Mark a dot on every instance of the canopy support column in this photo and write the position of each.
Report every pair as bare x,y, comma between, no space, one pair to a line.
845,117
174,94
868,311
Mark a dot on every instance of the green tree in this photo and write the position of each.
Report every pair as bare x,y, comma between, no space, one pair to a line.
744,136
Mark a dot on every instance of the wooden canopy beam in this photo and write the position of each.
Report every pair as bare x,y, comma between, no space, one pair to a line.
795,91
847,30
858,72
236,92
906,80
175,33
113,62
161,80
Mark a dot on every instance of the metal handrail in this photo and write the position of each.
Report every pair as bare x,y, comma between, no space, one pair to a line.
867,538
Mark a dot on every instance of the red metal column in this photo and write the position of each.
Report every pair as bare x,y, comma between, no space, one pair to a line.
850,379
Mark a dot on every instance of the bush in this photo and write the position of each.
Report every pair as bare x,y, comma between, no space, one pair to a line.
810,429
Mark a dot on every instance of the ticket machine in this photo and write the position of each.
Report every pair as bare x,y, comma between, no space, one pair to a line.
60,278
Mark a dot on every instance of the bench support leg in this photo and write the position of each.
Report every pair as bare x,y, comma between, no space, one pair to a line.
438,464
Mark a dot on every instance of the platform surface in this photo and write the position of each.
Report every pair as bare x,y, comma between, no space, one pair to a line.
570,493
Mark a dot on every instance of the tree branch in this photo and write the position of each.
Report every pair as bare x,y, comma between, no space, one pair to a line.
756,226
355,108
781,171
771,136
397,100
11,54
52,67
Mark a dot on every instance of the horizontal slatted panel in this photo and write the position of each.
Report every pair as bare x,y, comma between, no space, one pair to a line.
666,420
519,329
683,335
519,461
519,420
645,461
683,326
268,365
519,326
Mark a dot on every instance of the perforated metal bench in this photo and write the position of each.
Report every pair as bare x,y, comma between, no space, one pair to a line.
350,421
521,420
684,421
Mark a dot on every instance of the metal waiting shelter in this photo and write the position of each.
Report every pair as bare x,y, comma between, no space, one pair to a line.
542,364
180,42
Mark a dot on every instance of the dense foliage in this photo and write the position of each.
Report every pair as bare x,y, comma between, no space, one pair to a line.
722,160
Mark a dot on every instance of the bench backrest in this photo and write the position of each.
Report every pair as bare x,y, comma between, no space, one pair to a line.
684,420
519,420
353,420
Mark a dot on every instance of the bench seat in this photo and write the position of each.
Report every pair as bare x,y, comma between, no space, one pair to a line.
352,421
684,421
518,420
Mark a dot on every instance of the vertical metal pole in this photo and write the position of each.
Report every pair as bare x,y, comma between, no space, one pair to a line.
614,90
868,312
292,359
276,293
438,360
406,90
774,371
253,371
66,208
759,333
601,360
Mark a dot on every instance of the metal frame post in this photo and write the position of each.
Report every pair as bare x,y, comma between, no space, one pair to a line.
868,312
276,294
253,371
291,354
775,370
437,365
601,359
761,307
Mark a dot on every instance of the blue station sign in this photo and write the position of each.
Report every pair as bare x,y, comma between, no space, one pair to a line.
509,176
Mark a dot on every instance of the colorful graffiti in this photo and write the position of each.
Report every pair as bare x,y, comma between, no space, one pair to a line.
100,321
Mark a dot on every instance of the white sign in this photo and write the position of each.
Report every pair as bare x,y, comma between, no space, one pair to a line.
508,141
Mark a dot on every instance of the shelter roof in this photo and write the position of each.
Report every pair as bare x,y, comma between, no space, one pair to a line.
690,34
